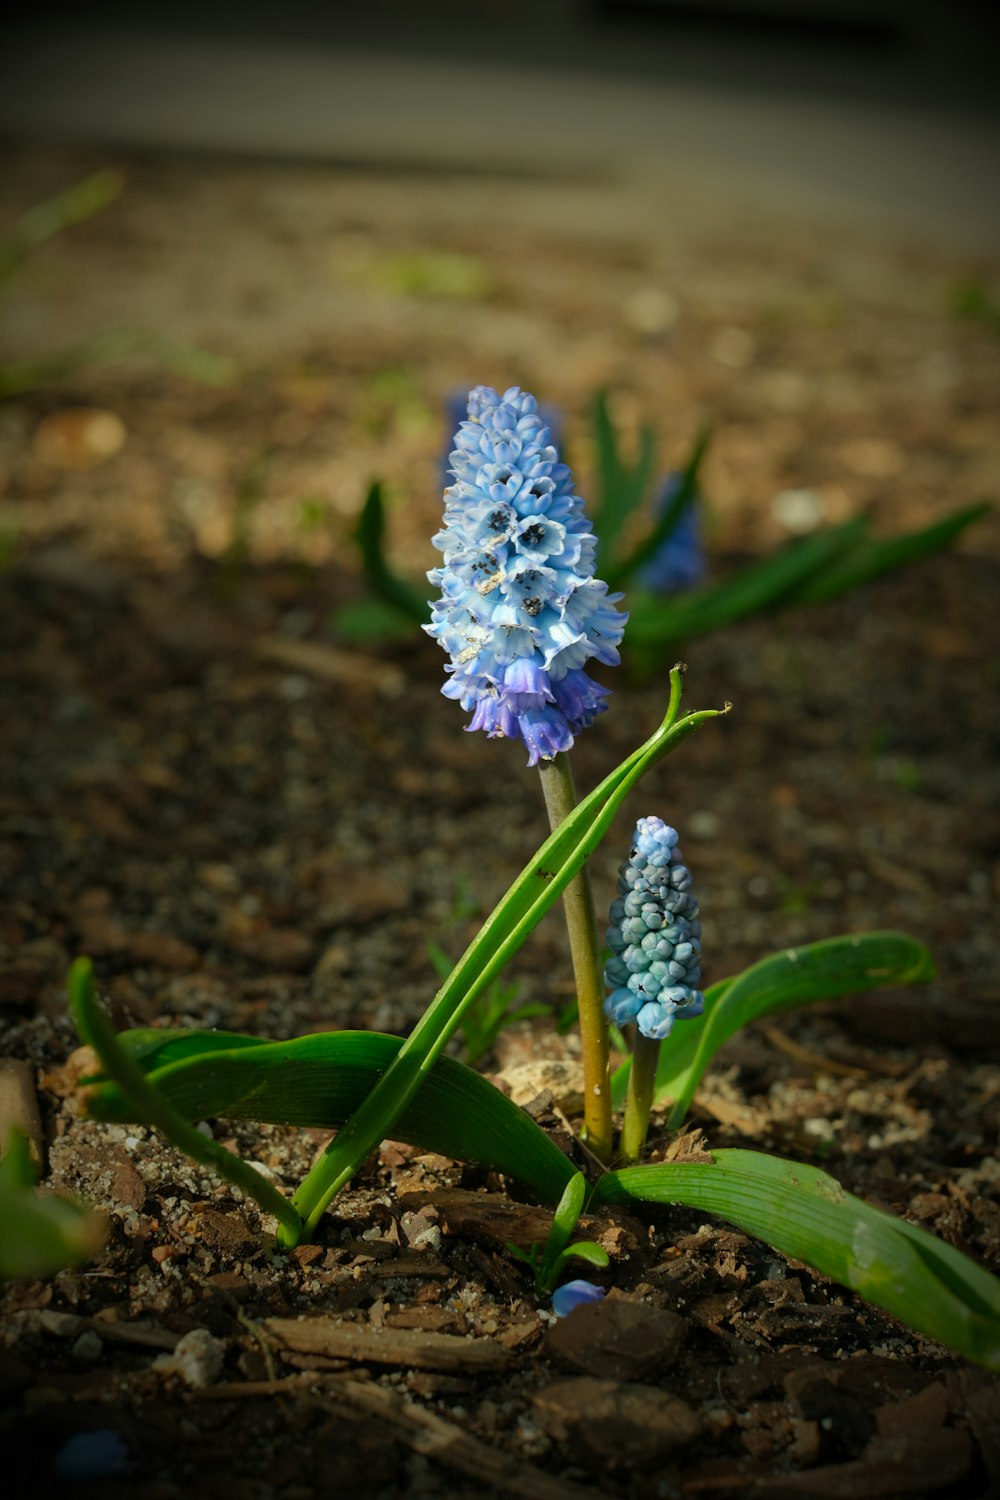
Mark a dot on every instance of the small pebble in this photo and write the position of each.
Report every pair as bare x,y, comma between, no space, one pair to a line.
88,1347
197,1359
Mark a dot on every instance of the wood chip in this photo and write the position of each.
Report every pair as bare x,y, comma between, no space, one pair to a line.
71,1325
819,1062
500,1221
910,1466
402,1347
496,1471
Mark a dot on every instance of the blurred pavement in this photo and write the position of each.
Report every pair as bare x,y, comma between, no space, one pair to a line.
649,149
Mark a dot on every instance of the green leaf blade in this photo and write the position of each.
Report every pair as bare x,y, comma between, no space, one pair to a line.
318,1082
666,525
387,585
845,965
807,1215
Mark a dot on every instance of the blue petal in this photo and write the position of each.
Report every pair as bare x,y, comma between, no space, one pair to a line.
575,1294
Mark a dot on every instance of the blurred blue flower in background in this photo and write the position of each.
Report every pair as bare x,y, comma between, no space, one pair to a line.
679,563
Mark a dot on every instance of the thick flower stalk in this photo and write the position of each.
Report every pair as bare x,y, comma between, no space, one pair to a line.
520,613
655,967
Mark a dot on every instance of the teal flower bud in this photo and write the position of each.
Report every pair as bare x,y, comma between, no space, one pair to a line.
654,937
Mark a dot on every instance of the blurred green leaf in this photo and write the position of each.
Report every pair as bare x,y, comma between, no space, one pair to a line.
439,273
45,220
109,348
667,622
620,572
397,592
40,1233
622,486
972,297
870,559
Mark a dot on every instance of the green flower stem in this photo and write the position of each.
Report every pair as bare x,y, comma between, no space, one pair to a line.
639,1099
97,1031
578,905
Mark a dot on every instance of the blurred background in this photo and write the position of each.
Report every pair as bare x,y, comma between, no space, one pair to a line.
885,109
778,218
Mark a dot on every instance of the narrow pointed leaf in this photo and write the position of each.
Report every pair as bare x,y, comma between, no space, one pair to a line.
806,1214
95,1029
370,535
763,585
564,1221
872,559
667,524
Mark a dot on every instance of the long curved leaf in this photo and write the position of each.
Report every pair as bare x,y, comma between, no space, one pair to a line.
783,981
807,1215
318,1082
94,1027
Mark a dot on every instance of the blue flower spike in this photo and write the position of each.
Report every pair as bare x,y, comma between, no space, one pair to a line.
520,613
574,1294
654,937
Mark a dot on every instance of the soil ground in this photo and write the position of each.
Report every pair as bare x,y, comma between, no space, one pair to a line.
250,822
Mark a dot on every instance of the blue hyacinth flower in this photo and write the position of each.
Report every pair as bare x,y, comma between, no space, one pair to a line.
655,937
520,612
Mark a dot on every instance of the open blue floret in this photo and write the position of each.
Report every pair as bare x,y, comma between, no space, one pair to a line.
654,937
520,612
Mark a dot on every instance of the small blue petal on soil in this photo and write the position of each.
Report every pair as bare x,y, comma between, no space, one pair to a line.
92,1455
574,1294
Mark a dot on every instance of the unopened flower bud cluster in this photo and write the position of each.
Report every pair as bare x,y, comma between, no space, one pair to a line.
654,937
